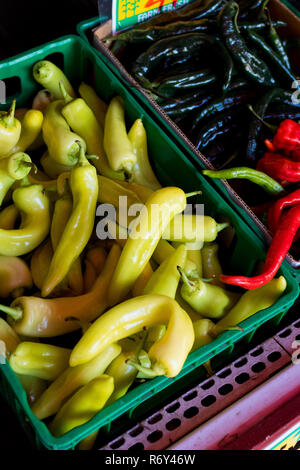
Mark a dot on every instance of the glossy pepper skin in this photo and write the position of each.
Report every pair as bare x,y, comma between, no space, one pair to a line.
270,185
280,168
275,212
287,136
71,380
192,228
9,337
83,121
40,262
63,144
121,370
142,172
91,98
36,317
13,168
206,299
10,130
62,212
202,329
83,405
15,276
165,278
84,187
33,386
250,303
34,207
144,239
130,317
277,251
254,67
117,145
31,127
8,217
51,167
49,76
44,361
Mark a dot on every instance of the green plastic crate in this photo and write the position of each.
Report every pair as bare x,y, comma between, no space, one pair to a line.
173,168
84,30
292,7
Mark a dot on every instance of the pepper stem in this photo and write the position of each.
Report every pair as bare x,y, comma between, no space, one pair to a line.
82,159
64,92
193,193
147,372
221,227
10,116
185,279
15,313
270,126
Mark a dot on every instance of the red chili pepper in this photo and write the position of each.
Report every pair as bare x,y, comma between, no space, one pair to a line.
270,146
278,249
276,210
287,136
280,168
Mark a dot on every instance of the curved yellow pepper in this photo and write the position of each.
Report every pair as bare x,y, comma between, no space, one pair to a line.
84,187
91,98
83,405
144,238
31,127
8,217
33,204
165,278
142,172
71,379
37,317
51,167
15,276
10,130
117,145
63,144
167,355
50,76
83,121
13,168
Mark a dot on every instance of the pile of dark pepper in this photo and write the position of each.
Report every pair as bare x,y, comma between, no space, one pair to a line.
217,68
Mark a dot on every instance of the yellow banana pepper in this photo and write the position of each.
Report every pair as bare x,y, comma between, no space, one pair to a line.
160,208
30,129
167,355
117,145
44,361
83,121
84,187
8,217
13,168
10,130
165,279
83,405
91,98
142,172
37,317
71,380
47,74
15,276
33,204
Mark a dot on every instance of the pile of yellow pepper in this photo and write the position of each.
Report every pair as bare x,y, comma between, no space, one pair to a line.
143,303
